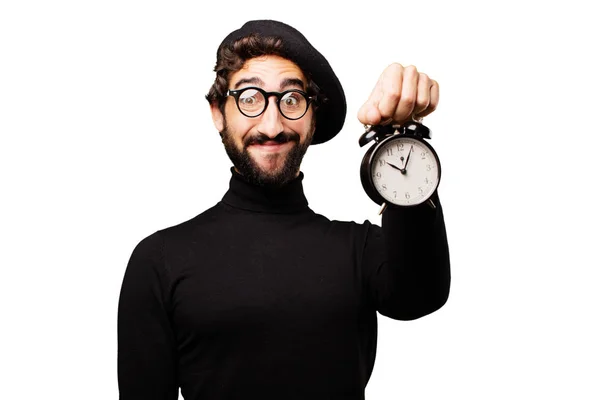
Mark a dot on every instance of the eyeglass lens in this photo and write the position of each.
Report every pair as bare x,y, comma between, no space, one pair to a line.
252,103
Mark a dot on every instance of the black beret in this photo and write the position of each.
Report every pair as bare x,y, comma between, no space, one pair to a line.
330,115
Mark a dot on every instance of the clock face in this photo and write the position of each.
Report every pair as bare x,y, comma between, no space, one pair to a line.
405,171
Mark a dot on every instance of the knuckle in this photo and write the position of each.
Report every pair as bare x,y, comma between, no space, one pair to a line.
407,101
410,70
421,104
392,95
396,67
424,76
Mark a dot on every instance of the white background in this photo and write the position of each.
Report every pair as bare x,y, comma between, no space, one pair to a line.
106,137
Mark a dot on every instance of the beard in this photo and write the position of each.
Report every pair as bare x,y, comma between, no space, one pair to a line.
247,166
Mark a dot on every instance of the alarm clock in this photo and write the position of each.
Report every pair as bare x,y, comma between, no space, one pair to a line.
400,168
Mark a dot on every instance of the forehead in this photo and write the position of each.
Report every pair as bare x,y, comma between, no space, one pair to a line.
270,69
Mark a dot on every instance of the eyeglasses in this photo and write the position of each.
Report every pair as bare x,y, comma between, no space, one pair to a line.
253,101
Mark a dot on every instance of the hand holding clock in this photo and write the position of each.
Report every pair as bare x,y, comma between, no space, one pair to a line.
400,93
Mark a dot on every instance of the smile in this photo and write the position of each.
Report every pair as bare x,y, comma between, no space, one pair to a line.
270,146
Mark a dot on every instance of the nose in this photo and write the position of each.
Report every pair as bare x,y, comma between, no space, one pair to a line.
270,120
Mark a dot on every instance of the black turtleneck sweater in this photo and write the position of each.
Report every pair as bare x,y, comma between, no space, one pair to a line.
259,297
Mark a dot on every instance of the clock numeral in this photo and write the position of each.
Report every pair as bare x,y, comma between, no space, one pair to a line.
420,190
389,151
407,195
427,181
381,163
395,194
400,146
384,186
378,174
423,155
428,167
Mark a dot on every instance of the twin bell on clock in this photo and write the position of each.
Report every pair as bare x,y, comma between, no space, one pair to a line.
401,168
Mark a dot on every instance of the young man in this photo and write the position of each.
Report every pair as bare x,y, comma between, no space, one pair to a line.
259,297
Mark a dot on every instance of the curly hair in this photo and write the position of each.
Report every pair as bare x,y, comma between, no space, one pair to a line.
231,58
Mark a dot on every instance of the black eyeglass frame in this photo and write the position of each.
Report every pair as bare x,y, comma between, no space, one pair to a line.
278,95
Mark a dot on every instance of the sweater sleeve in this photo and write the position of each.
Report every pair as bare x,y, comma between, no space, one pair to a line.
146,345
407,262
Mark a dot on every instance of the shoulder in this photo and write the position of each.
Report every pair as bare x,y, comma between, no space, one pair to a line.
152,245
149,248
185,228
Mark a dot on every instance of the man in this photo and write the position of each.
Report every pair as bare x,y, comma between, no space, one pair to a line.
259,297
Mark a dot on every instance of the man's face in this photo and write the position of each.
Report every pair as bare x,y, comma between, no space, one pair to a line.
267,149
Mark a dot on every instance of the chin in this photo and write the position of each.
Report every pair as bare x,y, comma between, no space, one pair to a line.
269,164
272,172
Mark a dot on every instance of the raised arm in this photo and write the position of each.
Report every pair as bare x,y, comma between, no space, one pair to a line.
407,262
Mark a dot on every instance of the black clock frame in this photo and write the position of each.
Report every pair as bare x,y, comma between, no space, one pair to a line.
366,177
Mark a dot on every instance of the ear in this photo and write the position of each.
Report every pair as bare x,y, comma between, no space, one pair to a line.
217,116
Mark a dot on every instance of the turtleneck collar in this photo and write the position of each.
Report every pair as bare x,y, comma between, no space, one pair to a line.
286,199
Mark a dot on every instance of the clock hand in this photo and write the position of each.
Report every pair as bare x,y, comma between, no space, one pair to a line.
393,166
403,170
408,156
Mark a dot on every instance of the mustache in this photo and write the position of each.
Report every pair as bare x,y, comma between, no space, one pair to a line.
261,138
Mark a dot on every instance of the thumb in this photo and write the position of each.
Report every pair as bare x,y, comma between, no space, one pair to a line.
369,113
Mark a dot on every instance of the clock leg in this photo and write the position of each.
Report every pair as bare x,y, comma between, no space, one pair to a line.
382,208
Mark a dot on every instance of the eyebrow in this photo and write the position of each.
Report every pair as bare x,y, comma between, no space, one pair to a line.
254,80
291,82
259,82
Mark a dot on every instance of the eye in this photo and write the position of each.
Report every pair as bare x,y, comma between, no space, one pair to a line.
250,99
292,100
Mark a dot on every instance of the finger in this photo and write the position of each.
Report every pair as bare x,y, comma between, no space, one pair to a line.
391,87
369,111
434,98
423,94
408,97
